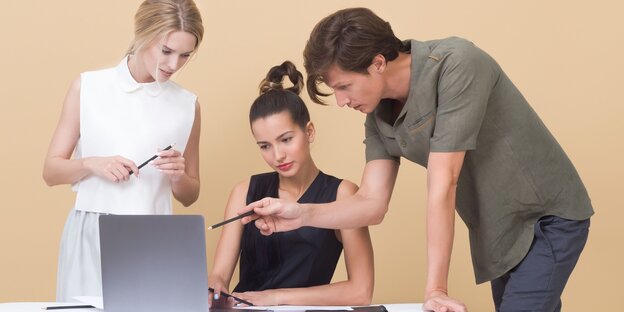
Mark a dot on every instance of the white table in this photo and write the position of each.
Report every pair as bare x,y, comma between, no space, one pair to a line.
403,307
37,307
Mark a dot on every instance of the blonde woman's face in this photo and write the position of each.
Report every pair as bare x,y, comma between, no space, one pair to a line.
162,58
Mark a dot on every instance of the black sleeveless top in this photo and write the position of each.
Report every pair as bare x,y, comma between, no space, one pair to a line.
300,258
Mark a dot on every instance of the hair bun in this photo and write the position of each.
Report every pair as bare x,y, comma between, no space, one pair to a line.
276,85
275,76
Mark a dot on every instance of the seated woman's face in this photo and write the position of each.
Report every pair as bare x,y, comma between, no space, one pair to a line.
283,144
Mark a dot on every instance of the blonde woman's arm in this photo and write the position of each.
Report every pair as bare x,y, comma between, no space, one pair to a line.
59,168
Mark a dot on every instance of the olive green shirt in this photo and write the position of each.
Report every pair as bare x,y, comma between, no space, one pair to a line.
514,171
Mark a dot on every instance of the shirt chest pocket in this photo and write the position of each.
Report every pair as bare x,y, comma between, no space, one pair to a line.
392,146
416,137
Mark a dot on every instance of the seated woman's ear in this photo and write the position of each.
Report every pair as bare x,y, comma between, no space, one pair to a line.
310,131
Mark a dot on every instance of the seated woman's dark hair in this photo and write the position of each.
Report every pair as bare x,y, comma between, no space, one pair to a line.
274,98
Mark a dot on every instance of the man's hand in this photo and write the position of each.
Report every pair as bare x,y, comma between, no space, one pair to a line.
441,302
275,215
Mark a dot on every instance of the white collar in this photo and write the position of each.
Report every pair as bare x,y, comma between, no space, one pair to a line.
129,85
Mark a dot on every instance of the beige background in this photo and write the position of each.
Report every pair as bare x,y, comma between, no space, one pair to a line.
566,57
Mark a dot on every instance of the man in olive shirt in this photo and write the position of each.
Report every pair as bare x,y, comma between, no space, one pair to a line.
448,106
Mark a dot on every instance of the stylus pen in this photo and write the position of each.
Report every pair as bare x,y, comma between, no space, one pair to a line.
246,214
226,295
82,306
152,158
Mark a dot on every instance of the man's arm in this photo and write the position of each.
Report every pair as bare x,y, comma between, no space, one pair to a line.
442,175
366,207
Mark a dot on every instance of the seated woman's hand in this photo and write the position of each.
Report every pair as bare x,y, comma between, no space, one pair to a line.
215,299
260,298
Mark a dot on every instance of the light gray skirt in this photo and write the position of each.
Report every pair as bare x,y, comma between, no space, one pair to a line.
79,267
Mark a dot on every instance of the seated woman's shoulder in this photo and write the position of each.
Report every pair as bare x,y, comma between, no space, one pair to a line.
346,189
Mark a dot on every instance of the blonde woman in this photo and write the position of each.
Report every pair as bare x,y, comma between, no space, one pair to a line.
113,120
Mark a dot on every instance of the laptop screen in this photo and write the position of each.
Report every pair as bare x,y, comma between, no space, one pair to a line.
153,263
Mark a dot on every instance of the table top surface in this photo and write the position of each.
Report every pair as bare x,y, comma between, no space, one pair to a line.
38,306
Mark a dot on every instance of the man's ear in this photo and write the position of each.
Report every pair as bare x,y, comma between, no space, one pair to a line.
379,63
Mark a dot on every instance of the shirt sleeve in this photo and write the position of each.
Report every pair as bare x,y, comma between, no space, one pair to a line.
464,87
375,148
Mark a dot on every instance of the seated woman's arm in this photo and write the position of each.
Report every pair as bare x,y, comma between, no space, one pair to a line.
228,248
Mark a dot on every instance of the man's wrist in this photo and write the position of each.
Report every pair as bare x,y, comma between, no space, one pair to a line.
307,215
436,291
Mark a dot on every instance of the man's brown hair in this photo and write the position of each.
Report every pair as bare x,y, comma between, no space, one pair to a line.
349,39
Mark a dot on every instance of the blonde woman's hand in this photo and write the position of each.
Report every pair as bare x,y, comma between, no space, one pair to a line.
113,168
171,163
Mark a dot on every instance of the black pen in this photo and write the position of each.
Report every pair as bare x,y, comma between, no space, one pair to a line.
246,214
151,158
226,295
82,306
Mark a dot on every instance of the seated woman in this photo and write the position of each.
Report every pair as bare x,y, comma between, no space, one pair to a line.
296,267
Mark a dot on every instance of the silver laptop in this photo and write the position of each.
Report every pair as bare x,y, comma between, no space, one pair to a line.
153,263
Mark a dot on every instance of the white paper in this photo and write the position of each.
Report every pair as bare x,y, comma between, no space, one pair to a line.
92,300
403,307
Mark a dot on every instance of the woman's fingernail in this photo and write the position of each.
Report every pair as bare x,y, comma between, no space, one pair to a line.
216,296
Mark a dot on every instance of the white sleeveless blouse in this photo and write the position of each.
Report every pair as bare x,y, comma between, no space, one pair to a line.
119,116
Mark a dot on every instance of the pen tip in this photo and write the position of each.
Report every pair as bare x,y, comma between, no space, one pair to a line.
210,227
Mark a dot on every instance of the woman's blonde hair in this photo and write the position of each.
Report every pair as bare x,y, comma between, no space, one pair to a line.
157,18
